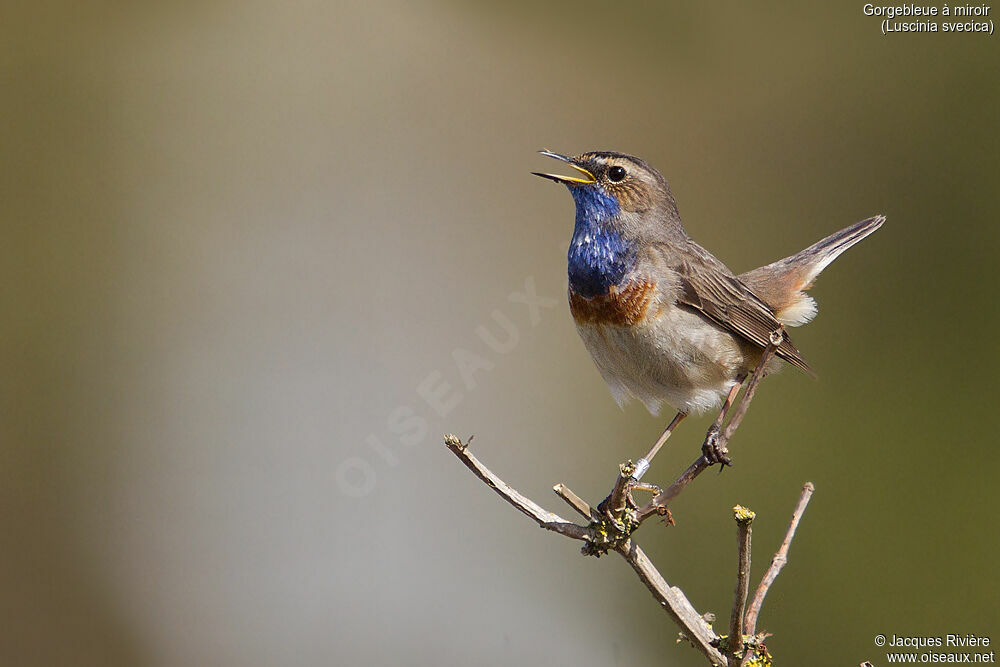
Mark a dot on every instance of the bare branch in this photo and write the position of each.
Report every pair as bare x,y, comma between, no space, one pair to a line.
744,518
658,504
575,501
528,507
778,562
674,602
671,598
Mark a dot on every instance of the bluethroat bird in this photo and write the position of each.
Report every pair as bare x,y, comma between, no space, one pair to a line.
664,320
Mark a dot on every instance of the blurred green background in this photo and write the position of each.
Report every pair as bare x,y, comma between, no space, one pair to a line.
241,240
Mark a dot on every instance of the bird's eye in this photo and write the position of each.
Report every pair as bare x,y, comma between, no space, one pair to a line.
616,174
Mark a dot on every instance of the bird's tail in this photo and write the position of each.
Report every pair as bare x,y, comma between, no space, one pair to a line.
782,284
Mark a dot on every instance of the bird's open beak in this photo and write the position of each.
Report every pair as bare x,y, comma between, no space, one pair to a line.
568,180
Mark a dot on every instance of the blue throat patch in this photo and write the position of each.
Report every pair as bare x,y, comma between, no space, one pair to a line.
598,255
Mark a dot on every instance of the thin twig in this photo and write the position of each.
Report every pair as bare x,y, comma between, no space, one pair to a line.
744,518
663,499
671,598
575,501
525,505
778,562
673,601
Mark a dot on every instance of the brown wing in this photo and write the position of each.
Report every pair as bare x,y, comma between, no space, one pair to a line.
708,286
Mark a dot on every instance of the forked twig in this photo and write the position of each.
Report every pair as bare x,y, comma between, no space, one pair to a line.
671,598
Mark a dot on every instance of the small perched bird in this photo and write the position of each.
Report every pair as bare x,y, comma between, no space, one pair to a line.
664,320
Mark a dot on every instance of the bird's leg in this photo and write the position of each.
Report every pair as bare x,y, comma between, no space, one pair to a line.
620,497
711,446
642,465
719,453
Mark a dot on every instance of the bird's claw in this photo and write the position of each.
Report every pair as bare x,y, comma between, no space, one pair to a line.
714,451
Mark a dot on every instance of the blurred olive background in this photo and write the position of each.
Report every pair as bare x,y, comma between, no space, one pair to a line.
247,248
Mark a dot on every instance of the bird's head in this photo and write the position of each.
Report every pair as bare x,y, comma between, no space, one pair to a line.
612,185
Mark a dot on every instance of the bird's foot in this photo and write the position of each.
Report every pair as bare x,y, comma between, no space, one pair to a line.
639,486
715,451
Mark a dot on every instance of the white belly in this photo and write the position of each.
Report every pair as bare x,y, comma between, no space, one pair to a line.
673,356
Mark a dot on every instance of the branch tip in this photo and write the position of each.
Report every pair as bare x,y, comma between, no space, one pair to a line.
743,514
454,443
576,502
735,649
